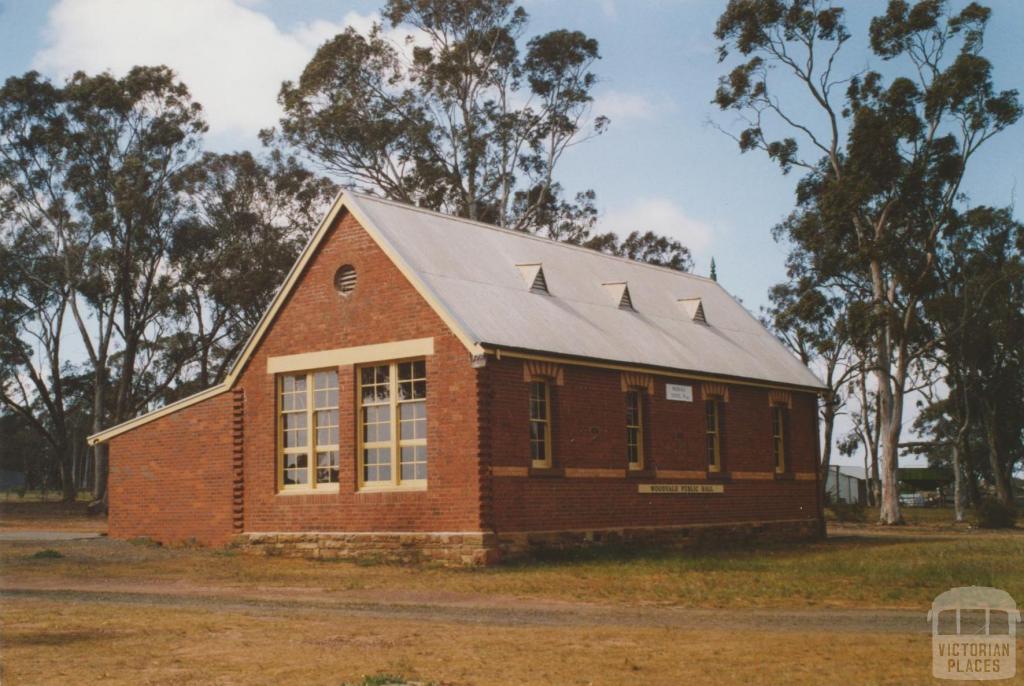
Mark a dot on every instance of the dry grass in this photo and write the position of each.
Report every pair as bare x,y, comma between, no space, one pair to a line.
141,640
883,571
46,643
32,513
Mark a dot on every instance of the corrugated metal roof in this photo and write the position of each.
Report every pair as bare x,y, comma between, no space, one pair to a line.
474,270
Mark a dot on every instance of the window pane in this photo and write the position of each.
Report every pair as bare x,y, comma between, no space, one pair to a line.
414,462
537,450
295,461
376,424
377,464
538,400
326,399
327,467
536,431
295,434
413,419
325,380
295,469
294,420
327,427
404,371
632,408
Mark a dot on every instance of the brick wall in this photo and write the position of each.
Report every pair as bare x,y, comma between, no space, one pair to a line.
171,479
588,416
384,307
210,470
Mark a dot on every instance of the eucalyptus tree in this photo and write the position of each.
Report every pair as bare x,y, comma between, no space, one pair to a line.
468,116
95,166
246,222
33,314
812,323
884,157
978,308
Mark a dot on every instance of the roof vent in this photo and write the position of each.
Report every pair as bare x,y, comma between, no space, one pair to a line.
533,275
695,308
620,292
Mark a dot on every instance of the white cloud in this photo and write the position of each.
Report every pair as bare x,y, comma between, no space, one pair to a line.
620,106
232,57
662,216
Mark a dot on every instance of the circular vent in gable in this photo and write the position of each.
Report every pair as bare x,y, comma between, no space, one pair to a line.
345,279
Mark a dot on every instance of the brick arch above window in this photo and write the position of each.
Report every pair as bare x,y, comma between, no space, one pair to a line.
538,370
784,398
631,380
714,390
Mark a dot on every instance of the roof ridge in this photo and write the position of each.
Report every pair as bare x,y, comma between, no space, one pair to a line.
522,234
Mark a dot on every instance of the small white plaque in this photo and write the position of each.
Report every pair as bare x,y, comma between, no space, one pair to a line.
675,391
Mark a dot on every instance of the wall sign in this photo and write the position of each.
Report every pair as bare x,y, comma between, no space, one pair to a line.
675,391
681,488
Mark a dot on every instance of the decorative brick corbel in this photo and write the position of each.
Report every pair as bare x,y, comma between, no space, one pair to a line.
537,370
632,380
238,459
714,390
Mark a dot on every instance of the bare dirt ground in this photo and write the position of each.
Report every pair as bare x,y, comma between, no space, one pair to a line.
461,608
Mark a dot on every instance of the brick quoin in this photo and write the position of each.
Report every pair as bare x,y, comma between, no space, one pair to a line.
208,471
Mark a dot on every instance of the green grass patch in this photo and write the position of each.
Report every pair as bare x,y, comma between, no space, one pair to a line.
47,554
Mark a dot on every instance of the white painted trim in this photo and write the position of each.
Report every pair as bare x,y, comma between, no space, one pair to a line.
451,320
344,201
340,357
193,399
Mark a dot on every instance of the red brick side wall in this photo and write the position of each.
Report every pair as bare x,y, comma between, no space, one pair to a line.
588,415
384,307
171,479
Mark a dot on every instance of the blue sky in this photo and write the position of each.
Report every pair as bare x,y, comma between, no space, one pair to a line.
660,166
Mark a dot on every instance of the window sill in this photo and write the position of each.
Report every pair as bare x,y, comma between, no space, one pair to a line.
412,488
323,490
719,476
785,476
645,473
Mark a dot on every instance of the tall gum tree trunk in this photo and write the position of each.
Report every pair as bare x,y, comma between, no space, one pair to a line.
829,419
67,475
99,451
890,428
1004,491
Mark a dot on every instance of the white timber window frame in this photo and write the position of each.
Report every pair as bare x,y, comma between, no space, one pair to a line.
540,423
308,432
392,425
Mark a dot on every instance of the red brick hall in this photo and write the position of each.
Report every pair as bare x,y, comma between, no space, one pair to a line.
429,387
